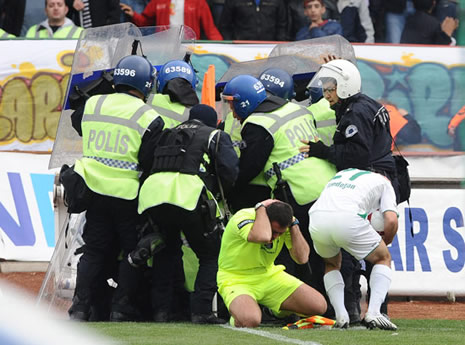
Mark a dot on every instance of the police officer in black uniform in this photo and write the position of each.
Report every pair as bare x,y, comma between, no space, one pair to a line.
362,140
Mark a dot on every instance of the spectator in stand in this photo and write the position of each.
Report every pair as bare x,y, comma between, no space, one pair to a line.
296,18
314,10
56,25
331,10
377,13
397,12
136,5
259,20
34,12
423,28
216,8
93,13
356,21
11,16
193,13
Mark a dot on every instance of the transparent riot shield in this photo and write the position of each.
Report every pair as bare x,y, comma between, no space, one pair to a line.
294,65
99,50
301,59
57,288
317,49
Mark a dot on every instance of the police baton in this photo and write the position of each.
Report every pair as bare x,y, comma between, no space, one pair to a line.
281,185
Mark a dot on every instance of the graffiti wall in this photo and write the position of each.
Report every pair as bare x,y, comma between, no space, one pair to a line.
428,82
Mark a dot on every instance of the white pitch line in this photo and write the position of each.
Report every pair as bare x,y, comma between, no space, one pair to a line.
276,337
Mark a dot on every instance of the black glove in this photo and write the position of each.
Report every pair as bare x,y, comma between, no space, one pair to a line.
318,150
147,246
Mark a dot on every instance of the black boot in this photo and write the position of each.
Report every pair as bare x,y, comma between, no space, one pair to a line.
207,319
79,310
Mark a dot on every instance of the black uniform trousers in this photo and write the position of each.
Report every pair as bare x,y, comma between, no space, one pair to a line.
110,227
197,228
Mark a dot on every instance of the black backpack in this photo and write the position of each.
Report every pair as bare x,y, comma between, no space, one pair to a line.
171,149
183,149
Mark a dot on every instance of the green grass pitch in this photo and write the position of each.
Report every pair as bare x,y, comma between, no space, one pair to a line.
410,332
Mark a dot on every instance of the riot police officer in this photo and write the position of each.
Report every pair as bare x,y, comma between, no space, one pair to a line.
176,83
279,83
187,166
113,127
272,128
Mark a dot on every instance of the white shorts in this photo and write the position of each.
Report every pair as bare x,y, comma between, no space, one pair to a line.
331,231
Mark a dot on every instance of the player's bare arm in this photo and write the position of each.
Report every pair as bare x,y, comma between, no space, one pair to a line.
390,226
261,231
300,249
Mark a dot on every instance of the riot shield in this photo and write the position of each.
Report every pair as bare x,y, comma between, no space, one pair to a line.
316,49
292,64
57,288
97,52
300,68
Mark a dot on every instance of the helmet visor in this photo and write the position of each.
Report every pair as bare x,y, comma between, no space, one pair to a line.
322,81
226,106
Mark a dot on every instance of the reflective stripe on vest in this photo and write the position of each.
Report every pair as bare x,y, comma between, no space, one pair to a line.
5,35
233,127
286,164
325,123
289,125
171,117
116,163
280,121
131,123
325,120
63,32
113,127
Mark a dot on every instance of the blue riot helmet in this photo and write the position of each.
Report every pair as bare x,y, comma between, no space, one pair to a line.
135,71
278,82
246,93
175,69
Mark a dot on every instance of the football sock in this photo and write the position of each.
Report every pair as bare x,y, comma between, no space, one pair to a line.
380,280
334,285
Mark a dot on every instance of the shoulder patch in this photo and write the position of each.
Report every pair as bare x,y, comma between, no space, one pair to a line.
244,223
351,130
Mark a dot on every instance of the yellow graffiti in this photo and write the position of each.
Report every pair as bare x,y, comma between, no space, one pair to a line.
409,60
260,56
31,100
200,50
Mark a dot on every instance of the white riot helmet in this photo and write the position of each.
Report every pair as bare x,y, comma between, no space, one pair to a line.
343,73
